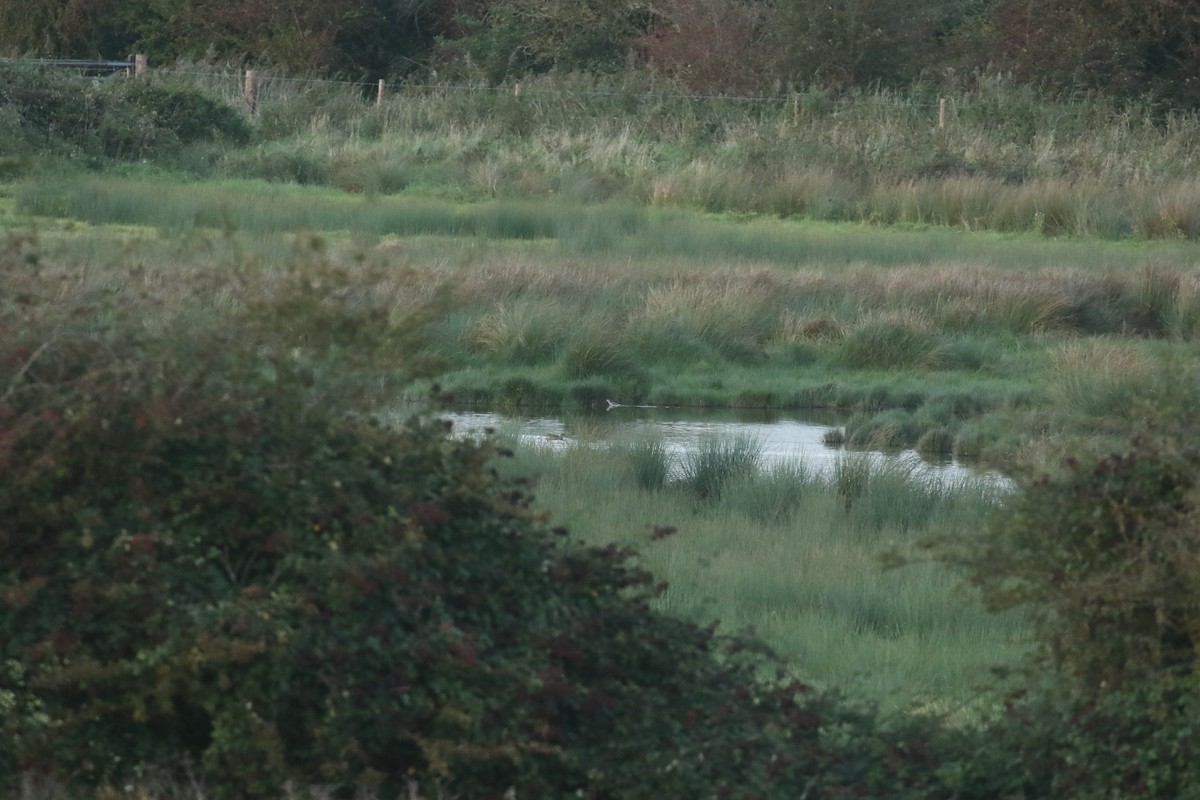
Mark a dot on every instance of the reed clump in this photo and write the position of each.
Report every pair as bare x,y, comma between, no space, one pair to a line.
650,462
888,340
1101,378
717,463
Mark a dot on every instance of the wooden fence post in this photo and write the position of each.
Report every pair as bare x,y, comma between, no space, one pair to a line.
251,90
941,113
379,94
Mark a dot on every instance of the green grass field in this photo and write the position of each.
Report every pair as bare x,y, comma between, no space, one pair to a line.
988,345
798,558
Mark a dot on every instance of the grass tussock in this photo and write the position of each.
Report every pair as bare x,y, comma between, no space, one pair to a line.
708,471
1101,378
887,341
650,462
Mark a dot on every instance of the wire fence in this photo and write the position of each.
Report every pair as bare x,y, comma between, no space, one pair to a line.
254,87
136,64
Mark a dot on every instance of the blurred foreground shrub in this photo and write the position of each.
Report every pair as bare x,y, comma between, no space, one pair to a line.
209,562
1106,557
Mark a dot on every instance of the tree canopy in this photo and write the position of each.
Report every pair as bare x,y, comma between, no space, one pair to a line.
1123,47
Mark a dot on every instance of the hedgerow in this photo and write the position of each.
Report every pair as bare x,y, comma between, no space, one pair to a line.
46,113
1104,555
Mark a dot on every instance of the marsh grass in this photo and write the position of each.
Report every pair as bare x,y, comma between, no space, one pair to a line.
1168,211
888,341
718,462
779,552
733,318
650,461
773,495
892,429
534,321
519,333
264,208
1005,161
614,231
1101,378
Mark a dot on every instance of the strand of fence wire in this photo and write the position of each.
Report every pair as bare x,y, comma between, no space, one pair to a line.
265,78
511,88
527,88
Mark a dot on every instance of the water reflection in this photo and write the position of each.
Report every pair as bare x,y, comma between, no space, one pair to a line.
783,438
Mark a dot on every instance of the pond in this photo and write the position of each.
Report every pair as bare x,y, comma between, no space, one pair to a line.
782,437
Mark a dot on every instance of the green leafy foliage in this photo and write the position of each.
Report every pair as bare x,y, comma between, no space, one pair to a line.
1121,47
1116,586
210,558
188,113
47,112
1126,47
511,38
1105,557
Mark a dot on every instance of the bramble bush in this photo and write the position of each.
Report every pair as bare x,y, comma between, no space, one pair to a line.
47,112
211,560
1106,557
214,561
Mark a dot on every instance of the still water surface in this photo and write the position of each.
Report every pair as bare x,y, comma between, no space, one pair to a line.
783,438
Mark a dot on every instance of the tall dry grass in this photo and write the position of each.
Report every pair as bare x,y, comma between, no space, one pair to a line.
1006,160
1101,378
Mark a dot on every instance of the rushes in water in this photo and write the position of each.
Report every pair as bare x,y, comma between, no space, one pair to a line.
717,462
650,462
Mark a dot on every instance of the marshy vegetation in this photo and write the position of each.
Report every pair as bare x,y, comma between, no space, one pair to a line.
1021,283
952,341
794,555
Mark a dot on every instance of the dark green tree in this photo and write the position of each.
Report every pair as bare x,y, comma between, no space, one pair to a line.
83,28
500,39
847,43
380,38
1125,47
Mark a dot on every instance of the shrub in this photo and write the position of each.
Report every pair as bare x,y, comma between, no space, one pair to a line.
188,113
118,118
209,559
1104,556
1116,586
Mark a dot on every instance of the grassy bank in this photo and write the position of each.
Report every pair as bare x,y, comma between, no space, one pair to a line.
975,343
797,557
1006,160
